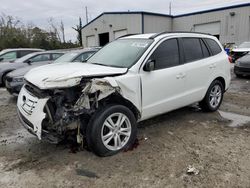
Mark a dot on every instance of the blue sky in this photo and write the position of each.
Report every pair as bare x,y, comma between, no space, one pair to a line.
39,11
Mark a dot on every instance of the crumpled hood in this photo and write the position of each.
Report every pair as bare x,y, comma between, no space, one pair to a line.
63,75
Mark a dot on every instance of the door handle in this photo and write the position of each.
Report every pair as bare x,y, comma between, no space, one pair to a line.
180,75
212,66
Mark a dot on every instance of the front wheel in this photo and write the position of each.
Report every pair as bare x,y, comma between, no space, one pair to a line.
111,130
213,97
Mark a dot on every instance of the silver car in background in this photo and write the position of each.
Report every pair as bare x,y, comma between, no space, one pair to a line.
15,53
27,61
15,79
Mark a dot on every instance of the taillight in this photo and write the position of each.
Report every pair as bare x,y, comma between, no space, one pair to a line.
230,59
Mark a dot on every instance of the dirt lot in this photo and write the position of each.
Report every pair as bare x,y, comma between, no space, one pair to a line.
216,148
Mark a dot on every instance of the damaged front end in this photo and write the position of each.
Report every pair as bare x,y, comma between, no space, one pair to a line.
52,114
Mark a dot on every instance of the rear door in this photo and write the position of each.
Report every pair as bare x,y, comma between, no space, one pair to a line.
163,88
199,68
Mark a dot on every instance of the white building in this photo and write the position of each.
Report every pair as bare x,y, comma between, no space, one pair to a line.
230,24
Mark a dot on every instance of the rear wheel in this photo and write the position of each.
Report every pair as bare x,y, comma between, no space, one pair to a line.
111,129
213,97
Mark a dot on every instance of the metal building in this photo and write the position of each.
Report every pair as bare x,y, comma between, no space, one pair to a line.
230,24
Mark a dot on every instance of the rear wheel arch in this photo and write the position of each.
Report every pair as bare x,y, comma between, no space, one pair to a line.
222,80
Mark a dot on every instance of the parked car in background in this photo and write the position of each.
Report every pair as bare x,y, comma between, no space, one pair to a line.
80,55
129,80
240,51
15,79
13,54
26,61
242,66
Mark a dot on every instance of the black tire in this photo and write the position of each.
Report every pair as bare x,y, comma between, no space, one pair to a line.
205,104
95,129
4,79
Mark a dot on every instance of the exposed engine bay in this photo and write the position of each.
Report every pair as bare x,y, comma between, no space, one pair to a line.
67,109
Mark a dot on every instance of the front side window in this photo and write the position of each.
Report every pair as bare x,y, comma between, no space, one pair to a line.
122,53
8,56
83,57
192,49
166,54
41,57
213,45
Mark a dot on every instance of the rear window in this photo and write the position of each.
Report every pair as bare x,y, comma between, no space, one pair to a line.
213,45
192,49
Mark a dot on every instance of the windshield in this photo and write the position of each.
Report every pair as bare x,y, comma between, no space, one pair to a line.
24,58
121,53
245,45
68,57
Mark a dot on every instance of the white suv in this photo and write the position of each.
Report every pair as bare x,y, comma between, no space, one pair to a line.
129,80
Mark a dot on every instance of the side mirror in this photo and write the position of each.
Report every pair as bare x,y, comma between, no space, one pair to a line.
149,66
28,62
1,58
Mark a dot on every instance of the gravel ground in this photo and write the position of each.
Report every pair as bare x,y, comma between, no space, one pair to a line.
184,148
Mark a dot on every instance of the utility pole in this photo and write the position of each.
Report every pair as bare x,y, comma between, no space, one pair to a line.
87,19
170,8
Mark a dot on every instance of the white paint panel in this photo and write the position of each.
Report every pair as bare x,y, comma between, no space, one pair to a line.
91,41
120,33
211,28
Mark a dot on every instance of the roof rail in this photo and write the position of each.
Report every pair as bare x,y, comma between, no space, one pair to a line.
128,35
166,32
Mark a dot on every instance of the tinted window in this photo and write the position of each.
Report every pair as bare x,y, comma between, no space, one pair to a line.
204,49
23,53
83,56
192,49
166,54
214,47
55,56
42,57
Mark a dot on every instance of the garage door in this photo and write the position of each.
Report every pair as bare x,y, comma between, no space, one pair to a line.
120,33
91,41
211,28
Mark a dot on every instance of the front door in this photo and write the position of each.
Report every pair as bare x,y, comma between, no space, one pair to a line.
163,88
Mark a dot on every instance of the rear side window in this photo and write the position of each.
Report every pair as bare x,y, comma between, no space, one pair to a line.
55,56
41,57
192,49
23,53
213,45
166,54
204,49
